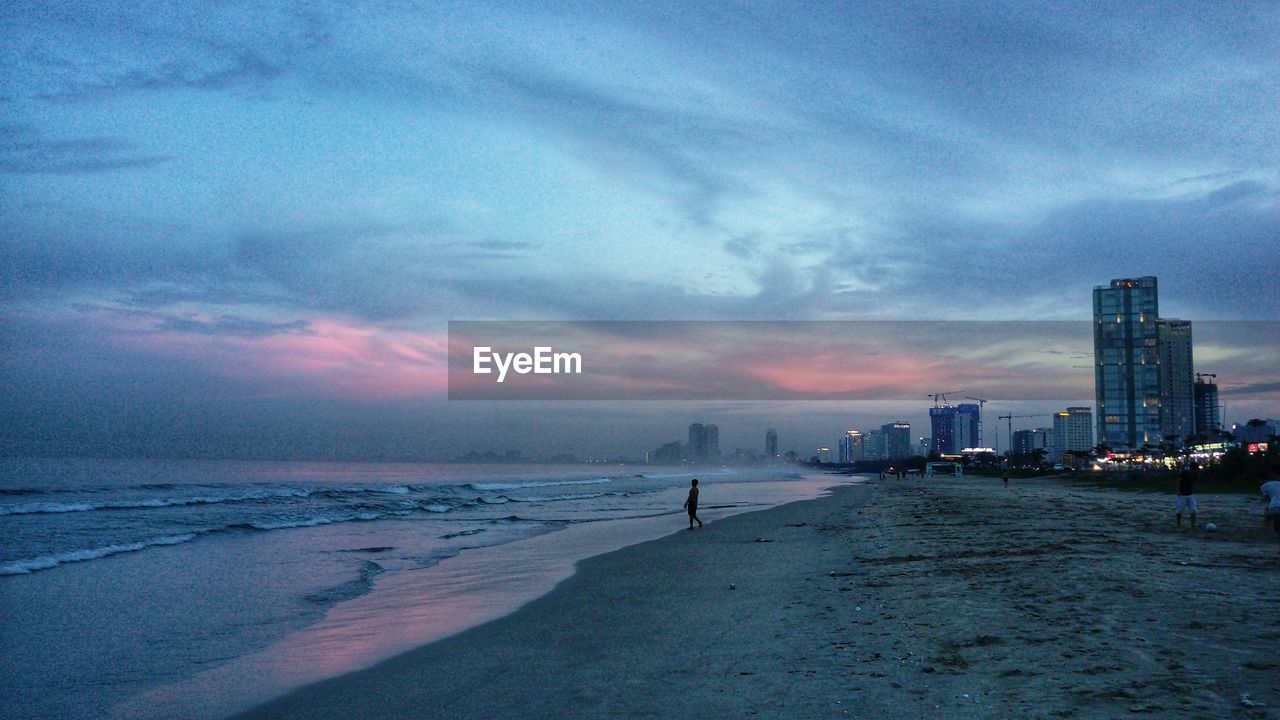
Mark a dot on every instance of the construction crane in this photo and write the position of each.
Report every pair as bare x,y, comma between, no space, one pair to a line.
982,403
942,395
1010,419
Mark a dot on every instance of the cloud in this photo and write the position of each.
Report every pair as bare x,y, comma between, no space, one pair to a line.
246,67
24,151
229,325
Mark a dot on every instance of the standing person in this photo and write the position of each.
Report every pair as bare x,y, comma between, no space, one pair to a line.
1186,500
1005,477
1271,496
692,503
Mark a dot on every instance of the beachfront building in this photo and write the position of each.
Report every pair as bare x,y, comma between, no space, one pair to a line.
1177,388
1072,432
851,446
771,444
1026,442
955,427
669,454
1127,362
1208,421
704,443
897,440
873,446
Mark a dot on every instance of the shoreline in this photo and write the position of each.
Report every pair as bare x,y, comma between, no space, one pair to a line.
950,598
414,608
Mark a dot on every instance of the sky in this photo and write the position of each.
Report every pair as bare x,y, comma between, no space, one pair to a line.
239,229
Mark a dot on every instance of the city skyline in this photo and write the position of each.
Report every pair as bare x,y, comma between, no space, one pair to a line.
241,230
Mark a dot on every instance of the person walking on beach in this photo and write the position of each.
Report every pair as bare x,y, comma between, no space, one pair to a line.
1271,496
692,503
1186,500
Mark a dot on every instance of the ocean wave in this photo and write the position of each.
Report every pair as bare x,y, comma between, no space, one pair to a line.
23,567
461,533
559,498
286,523
483,487
143,503
349,590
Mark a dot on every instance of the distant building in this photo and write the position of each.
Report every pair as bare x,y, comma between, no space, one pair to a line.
873,446
925,445
1026,442
697,442
897,440
955,427
669,454
1072,432
1258,433
824,455
704,443
1205,393
771,444
851,446
1127,362
1177,389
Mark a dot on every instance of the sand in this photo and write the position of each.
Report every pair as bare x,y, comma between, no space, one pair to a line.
898,599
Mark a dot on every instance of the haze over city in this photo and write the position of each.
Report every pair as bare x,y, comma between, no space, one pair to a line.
240,232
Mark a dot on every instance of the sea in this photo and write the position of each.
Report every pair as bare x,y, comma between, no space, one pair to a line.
196,589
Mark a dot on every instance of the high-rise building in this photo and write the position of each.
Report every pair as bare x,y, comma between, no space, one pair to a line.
697,442
771,444
704,442
1205,392
1072,432
897,440
873,445
713,442
1177,389
1127,362
955,427
1026,442
851,446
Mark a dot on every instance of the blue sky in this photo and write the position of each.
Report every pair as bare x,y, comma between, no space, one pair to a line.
282,204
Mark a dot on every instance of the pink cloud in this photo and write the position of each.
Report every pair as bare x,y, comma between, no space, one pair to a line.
332,357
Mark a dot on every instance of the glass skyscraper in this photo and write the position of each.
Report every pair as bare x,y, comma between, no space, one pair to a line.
1126,352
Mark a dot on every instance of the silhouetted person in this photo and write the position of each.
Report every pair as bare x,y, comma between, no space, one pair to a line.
1005,477
692,503
1186,496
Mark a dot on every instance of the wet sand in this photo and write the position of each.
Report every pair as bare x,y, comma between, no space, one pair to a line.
952,598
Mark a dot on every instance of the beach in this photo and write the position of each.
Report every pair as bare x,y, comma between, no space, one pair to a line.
917,598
